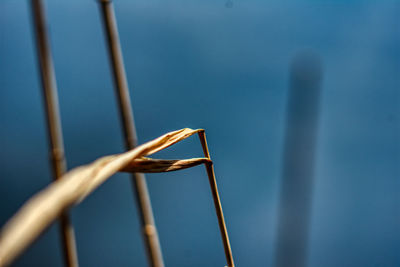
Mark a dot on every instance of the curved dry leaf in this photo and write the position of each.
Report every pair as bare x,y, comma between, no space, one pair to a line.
149,165
45,207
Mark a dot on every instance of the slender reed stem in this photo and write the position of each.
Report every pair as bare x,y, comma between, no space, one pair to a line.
53,122
217,201
138,179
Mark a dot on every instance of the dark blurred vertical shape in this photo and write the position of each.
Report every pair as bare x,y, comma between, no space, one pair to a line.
138,179
53,121
298,162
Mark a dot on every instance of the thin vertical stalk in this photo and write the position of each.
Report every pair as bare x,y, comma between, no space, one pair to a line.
138,180
217,201
53,122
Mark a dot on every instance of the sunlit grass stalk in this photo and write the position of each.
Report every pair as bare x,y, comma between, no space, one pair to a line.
42,209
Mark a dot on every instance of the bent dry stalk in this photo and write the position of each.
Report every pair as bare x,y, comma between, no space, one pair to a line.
44,208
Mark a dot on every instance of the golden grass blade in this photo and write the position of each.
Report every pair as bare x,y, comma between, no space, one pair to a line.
43,208
172,138
148,165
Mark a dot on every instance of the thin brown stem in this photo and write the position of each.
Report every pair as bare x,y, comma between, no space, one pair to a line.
217,201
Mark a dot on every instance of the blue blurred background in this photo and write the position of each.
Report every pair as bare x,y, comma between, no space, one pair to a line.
225,67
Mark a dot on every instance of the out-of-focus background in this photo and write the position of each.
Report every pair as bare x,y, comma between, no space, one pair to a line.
227,67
